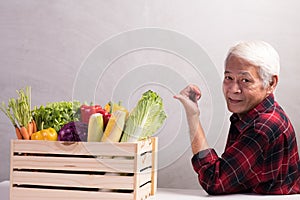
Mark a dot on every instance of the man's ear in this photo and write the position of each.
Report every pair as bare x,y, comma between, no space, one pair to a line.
272,84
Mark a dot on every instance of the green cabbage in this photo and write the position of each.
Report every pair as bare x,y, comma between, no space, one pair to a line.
145,119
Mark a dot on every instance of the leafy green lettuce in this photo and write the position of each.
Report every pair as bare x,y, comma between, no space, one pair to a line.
56,114
145,119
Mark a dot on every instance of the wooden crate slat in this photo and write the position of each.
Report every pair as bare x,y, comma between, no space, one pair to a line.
145,176
73,180
145,161
19,193
75,148
143,193
44,170
69,163
144,146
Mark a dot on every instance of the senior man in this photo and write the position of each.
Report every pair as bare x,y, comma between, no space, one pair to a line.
261,154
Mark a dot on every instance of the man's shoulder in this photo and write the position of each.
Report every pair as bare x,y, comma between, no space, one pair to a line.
272,123
273,115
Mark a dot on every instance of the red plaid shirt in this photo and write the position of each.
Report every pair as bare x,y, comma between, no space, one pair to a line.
261,155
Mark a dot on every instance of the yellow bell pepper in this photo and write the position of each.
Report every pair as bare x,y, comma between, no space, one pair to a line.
111,107
45,134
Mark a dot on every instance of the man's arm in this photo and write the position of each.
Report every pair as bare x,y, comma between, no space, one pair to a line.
189,97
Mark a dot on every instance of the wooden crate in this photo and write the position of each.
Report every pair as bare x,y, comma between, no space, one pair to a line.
42,170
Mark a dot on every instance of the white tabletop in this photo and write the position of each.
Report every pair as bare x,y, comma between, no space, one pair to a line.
4,190
180,194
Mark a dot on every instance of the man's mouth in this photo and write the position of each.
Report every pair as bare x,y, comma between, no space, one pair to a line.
234,101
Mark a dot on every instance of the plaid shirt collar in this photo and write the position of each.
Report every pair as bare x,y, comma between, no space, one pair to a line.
242,123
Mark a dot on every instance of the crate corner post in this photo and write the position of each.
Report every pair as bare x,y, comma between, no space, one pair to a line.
11,170
154,165
136,171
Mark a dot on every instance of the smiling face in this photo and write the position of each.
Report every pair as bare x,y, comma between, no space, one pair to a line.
242,86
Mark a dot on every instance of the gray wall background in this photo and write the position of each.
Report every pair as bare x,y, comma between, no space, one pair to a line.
45,44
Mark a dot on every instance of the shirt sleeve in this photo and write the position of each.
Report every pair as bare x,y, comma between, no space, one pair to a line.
238,170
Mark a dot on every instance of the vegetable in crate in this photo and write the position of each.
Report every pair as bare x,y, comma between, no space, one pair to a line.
95,128
114,129
111,107
56,114
86,111
145,119
45,134
19,112
73,131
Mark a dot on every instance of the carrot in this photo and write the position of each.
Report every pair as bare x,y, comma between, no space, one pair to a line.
34,128
18,133
24,133
29,128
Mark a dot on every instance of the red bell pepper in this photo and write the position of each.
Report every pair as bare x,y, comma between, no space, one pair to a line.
86,111
106,115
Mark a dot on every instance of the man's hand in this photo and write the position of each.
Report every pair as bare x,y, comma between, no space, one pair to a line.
189,97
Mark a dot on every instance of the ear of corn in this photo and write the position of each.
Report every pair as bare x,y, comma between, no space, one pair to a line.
95,128
114,128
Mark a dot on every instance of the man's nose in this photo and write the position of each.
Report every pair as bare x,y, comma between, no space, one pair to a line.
235,87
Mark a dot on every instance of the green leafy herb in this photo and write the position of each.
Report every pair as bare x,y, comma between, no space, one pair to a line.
56,114
18,109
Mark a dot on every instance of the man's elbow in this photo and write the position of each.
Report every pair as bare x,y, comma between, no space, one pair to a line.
219,189
213,189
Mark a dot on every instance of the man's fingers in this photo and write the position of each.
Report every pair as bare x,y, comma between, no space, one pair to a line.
180,97
194,93
190,93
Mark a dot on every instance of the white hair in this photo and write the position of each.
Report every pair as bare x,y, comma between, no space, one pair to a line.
260,54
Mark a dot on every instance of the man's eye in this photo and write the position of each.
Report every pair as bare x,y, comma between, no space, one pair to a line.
227,78
244,80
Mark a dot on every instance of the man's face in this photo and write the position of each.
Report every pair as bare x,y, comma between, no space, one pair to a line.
242,86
